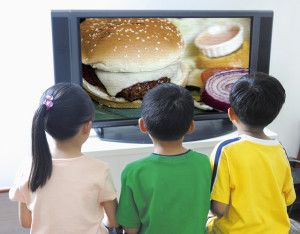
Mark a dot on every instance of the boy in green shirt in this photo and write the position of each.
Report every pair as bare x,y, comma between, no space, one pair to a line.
168,191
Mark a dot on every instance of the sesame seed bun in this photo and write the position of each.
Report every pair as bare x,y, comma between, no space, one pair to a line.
130,44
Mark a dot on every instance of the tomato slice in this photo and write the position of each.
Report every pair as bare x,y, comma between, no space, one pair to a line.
210,71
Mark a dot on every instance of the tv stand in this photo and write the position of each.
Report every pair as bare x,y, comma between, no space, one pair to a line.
204,129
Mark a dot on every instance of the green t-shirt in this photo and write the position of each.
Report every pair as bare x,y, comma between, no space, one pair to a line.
166,194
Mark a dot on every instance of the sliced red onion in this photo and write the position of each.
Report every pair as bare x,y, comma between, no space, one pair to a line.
217,88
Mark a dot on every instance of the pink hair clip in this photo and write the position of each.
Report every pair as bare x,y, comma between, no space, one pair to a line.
48,101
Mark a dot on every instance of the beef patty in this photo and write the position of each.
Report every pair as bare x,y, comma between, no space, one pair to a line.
135,92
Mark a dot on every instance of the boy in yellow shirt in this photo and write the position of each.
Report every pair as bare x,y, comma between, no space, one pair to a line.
251,181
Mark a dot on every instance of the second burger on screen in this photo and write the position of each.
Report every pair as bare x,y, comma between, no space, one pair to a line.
122,58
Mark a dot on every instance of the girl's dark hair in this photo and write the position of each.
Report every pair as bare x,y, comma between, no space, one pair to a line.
168,111
72,107
257,99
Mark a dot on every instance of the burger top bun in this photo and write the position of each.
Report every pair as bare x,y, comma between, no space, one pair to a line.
130,44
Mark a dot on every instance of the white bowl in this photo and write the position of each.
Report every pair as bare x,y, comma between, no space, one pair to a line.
220,39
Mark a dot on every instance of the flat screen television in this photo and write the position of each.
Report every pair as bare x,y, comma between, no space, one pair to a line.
205,42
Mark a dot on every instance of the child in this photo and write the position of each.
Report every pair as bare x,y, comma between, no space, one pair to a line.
168,191
251,182
64,191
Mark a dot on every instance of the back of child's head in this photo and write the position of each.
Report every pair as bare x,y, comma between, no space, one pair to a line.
63,109
168,111
256,99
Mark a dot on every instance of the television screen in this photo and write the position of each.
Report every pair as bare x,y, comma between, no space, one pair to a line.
117,56
123,58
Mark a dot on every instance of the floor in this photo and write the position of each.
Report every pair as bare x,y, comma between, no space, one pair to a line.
9,221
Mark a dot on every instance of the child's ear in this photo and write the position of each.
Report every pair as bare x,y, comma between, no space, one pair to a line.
231,114
87,127
192,127
142,126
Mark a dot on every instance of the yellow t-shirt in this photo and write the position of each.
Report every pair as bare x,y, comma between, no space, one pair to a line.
254,177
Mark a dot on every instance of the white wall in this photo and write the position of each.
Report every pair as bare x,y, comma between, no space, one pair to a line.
27,67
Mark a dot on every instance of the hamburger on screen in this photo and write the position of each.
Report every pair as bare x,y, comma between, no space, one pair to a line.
122,58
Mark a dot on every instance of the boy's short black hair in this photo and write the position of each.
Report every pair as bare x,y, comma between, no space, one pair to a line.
256,99
168,111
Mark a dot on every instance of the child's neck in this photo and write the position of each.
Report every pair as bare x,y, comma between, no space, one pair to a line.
253,132
169,147
66,149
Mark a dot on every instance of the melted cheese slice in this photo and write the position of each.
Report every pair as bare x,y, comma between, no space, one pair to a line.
115,82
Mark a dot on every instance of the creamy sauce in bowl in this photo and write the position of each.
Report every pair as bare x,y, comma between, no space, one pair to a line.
220,39
217,35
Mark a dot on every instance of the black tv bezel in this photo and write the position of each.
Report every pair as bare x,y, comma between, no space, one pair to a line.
67,48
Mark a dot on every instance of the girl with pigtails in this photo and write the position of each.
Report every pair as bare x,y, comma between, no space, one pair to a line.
63,190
